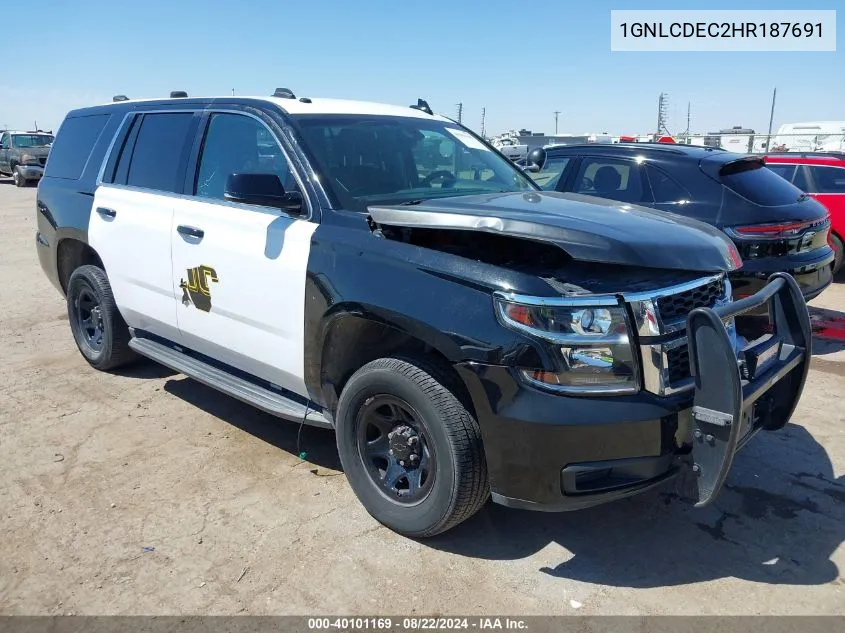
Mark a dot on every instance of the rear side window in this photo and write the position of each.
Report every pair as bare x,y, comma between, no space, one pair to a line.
73,145
664,188
760,185
158,151
829,179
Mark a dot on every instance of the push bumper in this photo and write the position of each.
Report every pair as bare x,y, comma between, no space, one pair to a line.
553,452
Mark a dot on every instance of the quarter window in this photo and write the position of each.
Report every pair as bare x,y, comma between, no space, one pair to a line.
664,188
236,143
73,145
829,179
609,178
158,151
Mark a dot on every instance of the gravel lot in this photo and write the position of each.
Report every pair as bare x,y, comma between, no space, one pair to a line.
146,493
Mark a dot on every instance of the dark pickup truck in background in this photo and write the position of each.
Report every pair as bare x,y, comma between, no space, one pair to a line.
23,155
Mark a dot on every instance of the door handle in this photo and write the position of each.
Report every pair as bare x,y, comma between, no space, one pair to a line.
106,213
190,231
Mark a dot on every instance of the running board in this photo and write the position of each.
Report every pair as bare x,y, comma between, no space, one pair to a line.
245,391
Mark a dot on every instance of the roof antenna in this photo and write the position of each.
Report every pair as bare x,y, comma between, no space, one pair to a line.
423,106
178,94
118,98
284,93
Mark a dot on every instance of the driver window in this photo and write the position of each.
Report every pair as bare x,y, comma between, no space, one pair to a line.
433,155
236,143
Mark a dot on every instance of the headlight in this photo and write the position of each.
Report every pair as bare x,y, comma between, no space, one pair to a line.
590,343
29,159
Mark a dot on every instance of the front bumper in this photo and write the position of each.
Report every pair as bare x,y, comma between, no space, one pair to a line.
31,172
553,452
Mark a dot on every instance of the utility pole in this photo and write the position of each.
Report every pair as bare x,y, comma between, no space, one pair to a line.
771,120
557,112
460,111
483,117
688,119
233,92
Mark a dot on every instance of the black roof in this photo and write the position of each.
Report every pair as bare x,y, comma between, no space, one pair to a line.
696,152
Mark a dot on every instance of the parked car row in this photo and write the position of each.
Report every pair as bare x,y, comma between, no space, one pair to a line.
775,226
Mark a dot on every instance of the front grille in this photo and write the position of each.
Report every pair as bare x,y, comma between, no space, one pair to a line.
677,361
678,306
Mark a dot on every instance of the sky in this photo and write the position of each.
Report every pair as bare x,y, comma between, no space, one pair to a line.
521,61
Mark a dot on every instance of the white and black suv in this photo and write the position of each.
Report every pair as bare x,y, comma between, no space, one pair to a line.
385,272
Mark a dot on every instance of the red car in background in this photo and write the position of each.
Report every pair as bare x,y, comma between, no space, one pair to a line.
821,175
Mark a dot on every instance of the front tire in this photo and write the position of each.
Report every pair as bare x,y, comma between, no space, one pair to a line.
99,330
18,178
411,451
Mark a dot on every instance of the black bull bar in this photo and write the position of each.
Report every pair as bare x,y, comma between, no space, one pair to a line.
739,394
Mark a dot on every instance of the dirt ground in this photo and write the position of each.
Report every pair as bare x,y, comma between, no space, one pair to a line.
146,493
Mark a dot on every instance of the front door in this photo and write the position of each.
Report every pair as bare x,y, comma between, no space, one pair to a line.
240,269
5,140
131,221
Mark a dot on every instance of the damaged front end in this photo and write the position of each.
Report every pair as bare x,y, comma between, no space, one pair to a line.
633,333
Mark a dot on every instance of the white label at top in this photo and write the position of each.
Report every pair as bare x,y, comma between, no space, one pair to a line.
467,139
677,30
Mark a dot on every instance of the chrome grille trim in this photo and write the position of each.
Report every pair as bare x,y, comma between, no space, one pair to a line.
648,322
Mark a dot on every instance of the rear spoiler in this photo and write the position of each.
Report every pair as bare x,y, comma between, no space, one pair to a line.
716,168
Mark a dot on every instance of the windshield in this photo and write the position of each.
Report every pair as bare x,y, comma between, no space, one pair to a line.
31,140
390,160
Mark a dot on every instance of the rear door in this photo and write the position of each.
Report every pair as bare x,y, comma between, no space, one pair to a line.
131,225
240,269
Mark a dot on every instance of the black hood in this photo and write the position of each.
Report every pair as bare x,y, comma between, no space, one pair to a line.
589,229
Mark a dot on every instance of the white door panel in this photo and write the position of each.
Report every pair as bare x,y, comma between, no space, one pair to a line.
134,245
243,300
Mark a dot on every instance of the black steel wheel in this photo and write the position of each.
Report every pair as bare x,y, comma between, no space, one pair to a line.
411,450
394,448
100,332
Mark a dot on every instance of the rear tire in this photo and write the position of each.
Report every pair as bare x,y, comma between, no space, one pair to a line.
837,249
441,484
101,334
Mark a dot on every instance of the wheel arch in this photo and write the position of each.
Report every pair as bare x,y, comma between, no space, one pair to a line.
353,338
71,253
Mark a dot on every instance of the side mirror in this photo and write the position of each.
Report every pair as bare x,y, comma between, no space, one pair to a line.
265,190
536,159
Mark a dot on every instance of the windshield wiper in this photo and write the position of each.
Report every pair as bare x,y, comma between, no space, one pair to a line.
409,203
